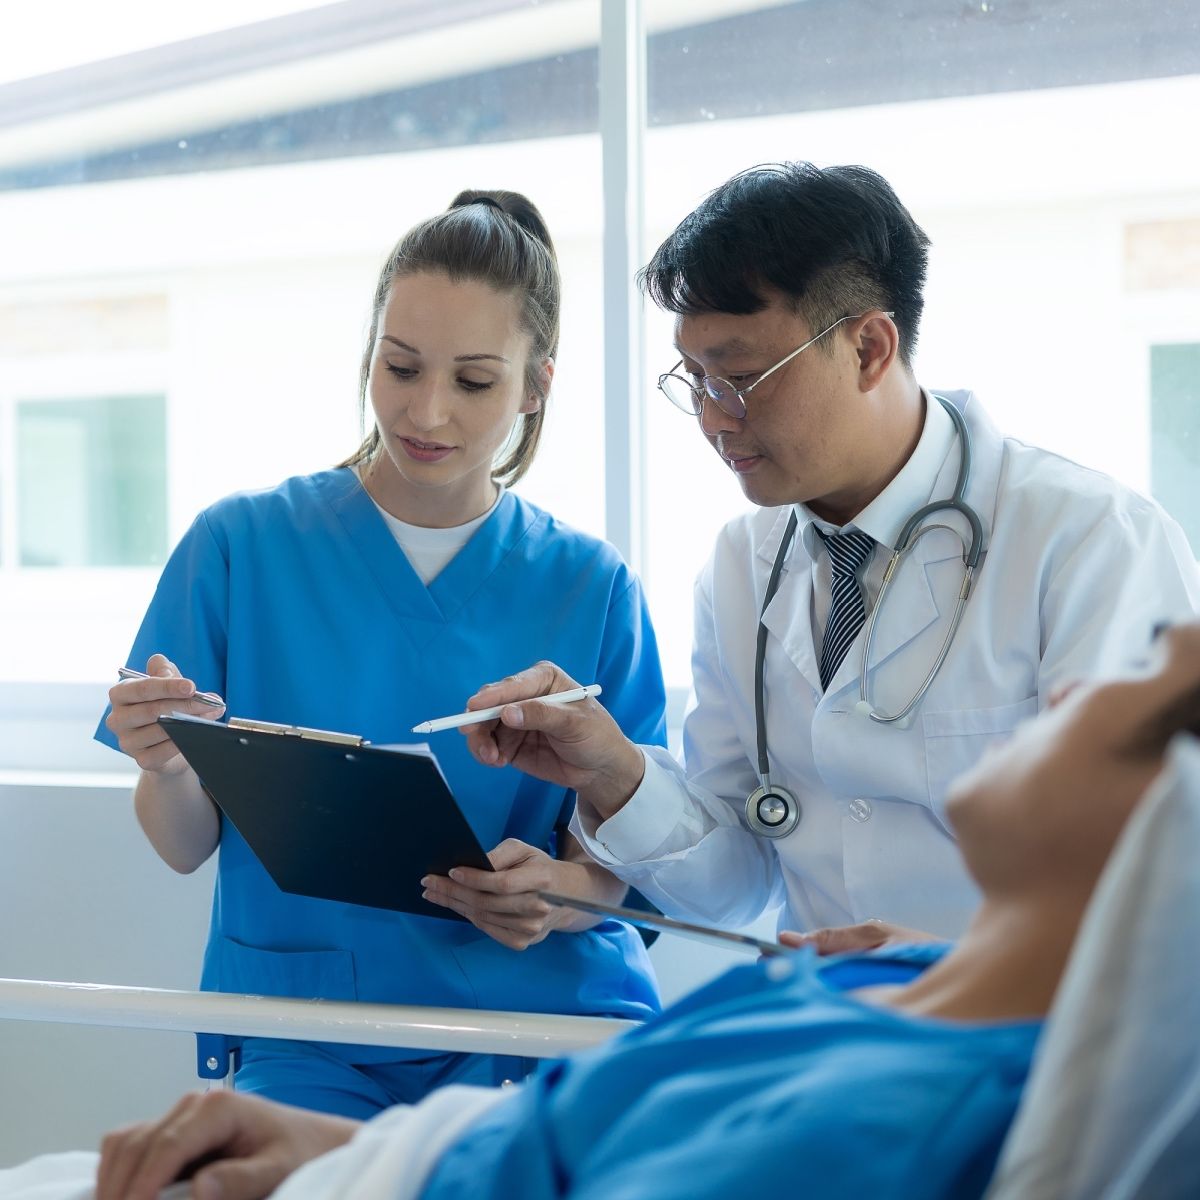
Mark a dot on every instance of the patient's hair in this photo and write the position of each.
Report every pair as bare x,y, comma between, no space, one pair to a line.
835,241
498,238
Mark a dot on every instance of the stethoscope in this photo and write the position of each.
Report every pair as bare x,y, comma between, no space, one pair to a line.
773,811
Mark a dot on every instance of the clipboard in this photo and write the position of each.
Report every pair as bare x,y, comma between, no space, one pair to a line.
647,920
329,815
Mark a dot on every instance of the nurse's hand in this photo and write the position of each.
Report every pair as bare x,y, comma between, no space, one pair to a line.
504,903
574,745
138,703
849,939
234,1146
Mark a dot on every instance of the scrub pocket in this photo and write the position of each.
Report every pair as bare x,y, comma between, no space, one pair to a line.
956,740
302,974
603,972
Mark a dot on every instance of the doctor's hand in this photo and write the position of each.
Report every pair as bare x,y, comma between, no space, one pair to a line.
138,703
232,1145
575,745
849,939
504,903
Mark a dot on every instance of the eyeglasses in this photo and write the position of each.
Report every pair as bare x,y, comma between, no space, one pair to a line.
687,394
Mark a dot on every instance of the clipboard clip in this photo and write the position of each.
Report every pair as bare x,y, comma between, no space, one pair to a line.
299,731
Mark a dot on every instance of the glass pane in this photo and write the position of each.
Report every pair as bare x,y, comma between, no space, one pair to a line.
1175,446
203,215
1036,146
91,482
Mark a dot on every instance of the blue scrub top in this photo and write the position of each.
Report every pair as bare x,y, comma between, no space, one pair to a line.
769,1082
297,605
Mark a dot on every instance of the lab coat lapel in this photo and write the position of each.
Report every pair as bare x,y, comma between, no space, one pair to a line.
789,615
987,449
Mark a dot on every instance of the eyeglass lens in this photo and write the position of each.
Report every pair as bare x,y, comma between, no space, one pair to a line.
687,396
726,395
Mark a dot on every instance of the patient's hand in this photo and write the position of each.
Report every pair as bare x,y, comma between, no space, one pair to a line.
846,939
234,1146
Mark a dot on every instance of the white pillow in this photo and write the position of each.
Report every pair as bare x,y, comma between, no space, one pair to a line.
1112,1110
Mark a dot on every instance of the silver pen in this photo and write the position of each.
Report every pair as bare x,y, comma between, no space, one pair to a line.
209,698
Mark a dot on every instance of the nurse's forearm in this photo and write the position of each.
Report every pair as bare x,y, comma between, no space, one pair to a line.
180,821
590,881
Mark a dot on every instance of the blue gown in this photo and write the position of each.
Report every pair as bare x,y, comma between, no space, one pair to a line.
768,1083
296,605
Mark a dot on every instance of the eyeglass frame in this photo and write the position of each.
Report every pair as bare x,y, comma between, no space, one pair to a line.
697,408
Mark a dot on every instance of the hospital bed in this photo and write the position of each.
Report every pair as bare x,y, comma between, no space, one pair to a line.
1112,1110
85,898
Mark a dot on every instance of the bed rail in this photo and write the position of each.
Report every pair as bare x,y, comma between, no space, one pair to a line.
527,1035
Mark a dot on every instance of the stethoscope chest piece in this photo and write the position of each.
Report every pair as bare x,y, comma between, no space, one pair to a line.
772,812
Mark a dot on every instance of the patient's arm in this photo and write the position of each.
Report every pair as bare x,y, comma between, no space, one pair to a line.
245,1146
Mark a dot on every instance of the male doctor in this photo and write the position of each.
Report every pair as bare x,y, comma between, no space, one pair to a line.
798,294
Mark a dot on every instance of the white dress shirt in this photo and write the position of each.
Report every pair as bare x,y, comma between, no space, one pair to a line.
882,519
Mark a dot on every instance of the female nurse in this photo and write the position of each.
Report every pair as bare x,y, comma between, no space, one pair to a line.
371,597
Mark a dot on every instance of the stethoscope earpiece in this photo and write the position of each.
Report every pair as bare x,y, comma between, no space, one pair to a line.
863,709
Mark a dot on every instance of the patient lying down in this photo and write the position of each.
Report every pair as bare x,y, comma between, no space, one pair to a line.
891,1074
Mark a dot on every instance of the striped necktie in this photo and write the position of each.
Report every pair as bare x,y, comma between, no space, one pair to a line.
847,614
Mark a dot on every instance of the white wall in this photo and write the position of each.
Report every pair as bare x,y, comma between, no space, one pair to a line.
85,899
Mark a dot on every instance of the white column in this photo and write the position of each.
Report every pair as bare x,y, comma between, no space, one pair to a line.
622,122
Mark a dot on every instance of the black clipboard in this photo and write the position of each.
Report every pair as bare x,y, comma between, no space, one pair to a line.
329,815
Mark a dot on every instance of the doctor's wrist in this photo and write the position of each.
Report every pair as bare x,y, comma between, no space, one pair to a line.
612,788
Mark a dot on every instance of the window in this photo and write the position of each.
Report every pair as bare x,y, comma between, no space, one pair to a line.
190,231
202,198
91,482
1033,143
1175,444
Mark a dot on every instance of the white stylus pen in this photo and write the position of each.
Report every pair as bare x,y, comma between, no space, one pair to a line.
490,714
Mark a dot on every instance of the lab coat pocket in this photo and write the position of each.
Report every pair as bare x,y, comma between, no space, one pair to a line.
303,974
955,740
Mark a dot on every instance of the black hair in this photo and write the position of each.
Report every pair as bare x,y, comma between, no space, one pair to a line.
493,237
834,241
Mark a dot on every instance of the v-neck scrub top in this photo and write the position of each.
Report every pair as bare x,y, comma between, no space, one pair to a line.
296,605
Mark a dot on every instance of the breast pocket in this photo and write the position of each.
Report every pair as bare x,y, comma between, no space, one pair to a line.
956,740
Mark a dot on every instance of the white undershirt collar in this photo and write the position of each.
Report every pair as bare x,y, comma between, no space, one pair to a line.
428,550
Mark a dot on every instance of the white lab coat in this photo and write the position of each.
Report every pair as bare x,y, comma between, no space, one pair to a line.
1077,571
